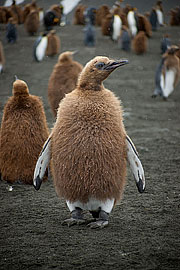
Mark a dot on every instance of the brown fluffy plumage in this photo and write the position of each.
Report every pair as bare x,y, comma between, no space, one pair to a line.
106,24
79,15
53,46
140,43
32,22
63,79
144,25
101,13
23,132
88,140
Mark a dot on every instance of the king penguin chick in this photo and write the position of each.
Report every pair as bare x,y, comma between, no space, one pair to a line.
53,45
140,43
63,79
23,131
89,147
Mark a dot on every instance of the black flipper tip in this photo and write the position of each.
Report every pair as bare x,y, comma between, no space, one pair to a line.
140,186
38,182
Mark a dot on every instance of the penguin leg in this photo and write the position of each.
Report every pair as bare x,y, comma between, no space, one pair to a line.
101,222
76,218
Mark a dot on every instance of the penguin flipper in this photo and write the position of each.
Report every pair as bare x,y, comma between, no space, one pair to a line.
135,165
42,163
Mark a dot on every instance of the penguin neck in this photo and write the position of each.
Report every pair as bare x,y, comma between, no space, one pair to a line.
91,83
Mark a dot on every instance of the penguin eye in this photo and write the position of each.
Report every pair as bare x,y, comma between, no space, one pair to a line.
99,65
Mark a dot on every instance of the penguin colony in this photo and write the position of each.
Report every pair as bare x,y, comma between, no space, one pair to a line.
137,28
88,147
63,79
23,132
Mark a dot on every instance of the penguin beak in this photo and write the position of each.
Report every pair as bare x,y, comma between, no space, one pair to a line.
115,64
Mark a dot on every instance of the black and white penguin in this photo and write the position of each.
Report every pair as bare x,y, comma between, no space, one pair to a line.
153,19
116,27
165,43
89,147
132,23
39,48
168,73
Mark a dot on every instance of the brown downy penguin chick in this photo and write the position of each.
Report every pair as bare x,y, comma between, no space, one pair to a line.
89,146
79,15
140,43
23,132
2,58
32,22
53,46
63,79
101,13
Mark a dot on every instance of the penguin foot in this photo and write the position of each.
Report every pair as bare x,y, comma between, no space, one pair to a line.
165,98
154,96
73,221
99,224
76,219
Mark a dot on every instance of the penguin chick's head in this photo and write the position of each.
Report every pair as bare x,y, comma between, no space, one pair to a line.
97,70
65,56
20,88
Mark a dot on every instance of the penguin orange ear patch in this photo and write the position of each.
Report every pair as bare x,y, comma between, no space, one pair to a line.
56,20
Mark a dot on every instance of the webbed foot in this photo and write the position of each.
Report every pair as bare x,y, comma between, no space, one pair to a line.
76,219
73,221
101,221
99,224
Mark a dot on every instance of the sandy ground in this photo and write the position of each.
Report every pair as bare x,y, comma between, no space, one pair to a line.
144,230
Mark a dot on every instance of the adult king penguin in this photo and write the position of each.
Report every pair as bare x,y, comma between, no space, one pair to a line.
168,73
40,47
89,147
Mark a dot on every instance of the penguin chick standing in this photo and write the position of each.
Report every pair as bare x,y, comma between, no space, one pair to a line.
63,79
53,45
32,22
89,34
23,131
88,146
140,43
11,31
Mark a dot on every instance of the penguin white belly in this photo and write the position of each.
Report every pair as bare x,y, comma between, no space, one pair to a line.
41,16
41,48
92,205
159,16
117,24
169,82
132,23
162,83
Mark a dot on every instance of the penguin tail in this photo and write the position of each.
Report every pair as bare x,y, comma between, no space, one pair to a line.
135,165
42,164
